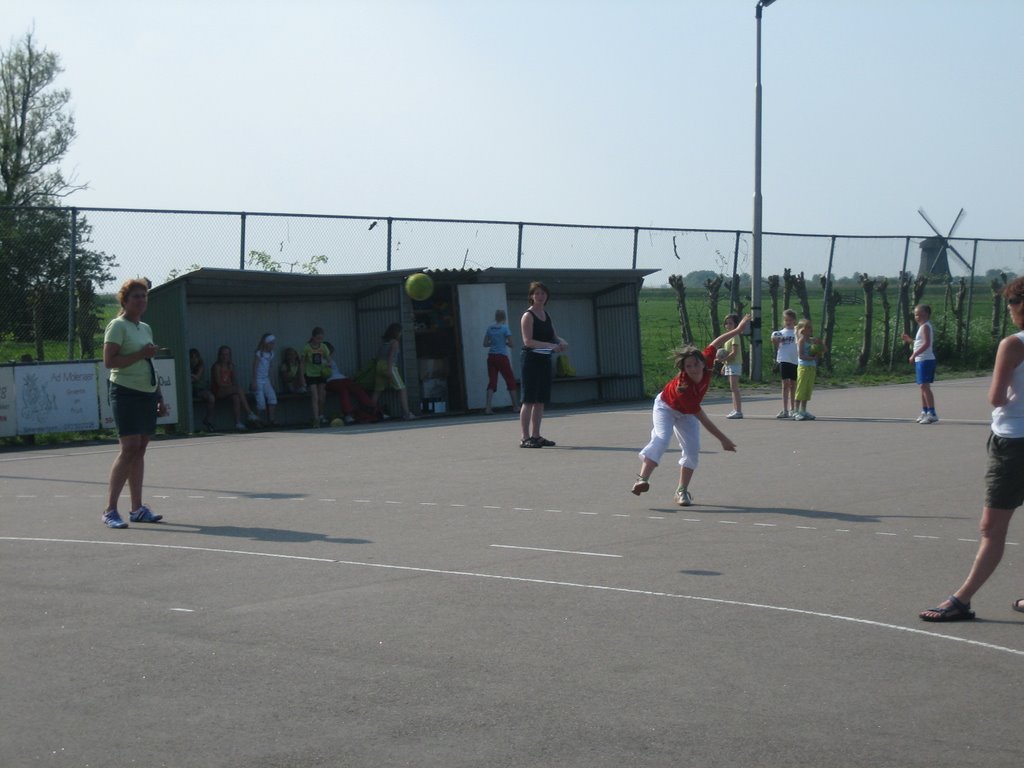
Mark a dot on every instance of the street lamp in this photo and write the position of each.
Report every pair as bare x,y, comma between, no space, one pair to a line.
755,278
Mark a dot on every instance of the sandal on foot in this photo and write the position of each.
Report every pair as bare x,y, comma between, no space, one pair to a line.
641,485
1018,605
957,610
529,442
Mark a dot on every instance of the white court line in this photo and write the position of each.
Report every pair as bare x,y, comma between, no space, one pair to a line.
544,582
558,551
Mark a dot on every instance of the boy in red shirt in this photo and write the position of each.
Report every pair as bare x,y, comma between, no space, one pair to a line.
677,409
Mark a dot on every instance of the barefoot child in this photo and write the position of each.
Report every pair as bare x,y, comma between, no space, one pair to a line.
677,409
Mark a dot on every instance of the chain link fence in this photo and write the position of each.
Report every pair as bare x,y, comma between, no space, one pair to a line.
59,265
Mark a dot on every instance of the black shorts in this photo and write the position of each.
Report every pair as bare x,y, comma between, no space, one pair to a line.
1004,479
787,371
134,411
536,377
313,380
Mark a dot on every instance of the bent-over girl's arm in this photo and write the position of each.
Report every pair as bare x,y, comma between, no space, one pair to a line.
709,425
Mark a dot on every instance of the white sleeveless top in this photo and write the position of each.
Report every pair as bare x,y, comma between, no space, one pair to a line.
1008,420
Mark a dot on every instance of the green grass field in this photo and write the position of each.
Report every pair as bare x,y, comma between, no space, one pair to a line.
660,333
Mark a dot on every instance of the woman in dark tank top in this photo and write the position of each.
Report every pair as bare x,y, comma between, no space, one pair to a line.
539,342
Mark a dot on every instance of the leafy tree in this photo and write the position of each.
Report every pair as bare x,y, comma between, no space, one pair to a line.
262,260
37,237
36,128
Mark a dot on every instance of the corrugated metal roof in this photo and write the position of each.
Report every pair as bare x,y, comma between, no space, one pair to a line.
246,283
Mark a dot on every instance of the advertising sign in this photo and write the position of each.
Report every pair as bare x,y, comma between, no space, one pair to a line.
56,398
8,411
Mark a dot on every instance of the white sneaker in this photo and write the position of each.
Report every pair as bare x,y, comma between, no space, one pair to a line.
735,415
929,418
799,416
683,498
239,426
784,414
920,419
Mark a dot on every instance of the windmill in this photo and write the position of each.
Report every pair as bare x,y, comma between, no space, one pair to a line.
934,257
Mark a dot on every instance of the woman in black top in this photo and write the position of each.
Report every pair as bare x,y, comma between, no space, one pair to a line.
539,342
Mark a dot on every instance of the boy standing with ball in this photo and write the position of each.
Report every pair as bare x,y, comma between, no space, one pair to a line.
784,341
677,410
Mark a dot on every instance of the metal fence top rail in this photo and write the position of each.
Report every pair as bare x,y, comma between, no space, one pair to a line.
612,227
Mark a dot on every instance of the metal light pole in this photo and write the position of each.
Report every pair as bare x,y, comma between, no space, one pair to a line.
755,278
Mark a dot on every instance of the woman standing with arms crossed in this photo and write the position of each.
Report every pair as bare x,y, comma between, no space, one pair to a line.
135,398
1004,480
539,341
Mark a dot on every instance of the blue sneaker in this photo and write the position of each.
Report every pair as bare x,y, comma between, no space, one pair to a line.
144,515
112,519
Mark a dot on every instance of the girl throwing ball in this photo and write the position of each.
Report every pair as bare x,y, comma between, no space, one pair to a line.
677,409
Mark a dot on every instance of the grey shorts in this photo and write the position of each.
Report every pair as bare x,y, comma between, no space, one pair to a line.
1004,479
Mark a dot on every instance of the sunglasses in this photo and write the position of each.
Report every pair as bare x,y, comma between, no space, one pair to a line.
1015,301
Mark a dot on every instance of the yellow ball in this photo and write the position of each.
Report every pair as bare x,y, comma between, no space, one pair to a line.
338,423
419,286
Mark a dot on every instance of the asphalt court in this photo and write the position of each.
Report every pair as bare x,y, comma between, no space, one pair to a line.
433,595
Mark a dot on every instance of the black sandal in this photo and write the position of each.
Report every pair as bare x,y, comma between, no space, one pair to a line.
530,442
957,610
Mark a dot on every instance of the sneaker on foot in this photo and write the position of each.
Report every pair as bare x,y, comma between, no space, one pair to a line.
544,441
253,417
641,486
920,419
799,416
929,418
112,519
808,416
350,419
784,414
240,426
530,442
144,515
735,415
683,498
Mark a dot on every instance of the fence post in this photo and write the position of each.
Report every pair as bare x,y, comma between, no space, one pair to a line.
734,295
828,287
636,236
71,283
970,300
389,244
898,325
241,245
519,248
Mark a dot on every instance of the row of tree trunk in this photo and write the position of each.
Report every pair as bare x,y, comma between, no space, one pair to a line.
910,290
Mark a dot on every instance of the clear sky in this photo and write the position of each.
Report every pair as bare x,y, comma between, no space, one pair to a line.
616,112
